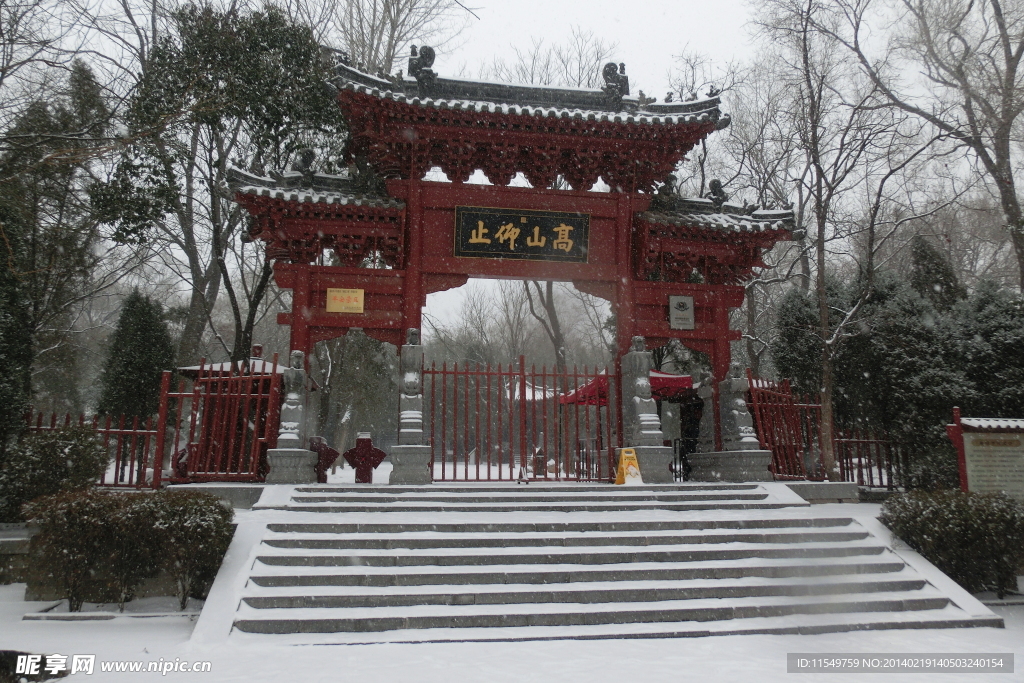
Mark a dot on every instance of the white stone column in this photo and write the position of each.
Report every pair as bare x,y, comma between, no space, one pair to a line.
640,422
411,457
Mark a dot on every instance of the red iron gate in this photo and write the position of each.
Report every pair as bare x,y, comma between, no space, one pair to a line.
787,428
791,430
491,424
224,425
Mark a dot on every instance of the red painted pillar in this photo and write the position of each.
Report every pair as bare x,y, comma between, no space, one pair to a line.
955,432
412,303
302,311
720,359
625,297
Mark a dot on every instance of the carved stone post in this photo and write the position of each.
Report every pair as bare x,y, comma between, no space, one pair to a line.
411,457
291,462
741,458
640,422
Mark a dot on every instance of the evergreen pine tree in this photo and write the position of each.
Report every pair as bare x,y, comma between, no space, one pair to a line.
15,341
140,350
933,276
987,343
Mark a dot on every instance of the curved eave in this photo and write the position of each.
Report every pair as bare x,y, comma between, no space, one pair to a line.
709,117
722,224
306,200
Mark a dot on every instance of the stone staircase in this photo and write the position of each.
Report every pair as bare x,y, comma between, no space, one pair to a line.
486,562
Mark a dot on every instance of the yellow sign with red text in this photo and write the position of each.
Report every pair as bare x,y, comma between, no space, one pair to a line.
344,301
629,469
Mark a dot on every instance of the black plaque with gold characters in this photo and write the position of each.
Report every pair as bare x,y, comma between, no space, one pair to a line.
521,234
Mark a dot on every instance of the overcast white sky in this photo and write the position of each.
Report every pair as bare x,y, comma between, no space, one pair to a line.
649,35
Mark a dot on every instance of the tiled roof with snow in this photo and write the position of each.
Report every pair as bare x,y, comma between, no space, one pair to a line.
706,112
308,188
991,423
703,213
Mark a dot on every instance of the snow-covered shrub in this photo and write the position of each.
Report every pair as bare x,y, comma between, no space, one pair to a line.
104,543
196,530
976,539
134,543
74,539
42,464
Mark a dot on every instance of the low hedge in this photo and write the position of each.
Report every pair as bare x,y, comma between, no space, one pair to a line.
196,530
46,463
123,538
976,539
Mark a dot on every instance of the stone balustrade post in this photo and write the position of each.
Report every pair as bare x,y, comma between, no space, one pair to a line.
410,458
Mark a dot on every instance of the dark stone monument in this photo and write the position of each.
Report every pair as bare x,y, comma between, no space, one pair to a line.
364,458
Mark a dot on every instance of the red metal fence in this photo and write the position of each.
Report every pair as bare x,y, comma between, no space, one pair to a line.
224,425
218,430
489,424
868,458
131,446
790,427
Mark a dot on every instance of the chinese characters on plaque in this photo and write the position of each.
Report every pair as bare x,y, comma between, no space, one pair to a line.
344,301
680,313
521,234
995,462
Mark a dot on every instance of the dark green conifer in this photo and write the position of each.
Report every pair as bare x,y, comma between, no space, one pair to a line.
140,350
933,276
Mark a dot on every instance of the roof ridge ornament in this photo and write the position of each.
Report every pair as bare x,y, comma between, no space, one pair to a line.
420,62
616,83
717,194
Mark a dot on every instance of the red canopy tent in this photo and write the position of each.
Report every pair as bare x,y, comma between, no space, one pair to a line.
664,387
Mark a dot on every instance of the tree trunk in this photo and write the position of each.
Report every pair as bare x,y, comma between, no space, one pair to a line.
753,357
828,459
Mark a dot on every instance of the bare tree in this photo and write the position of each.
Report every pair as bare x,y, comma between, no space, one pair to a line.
576,63
859,156
376,34
969,54
548,317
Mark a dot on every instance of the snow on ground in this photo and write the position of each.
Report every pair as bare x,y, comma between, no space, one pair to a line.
725,659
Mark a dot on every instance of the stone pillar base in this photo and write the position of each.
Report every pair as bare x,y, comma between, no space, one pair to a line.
654,464
291,466
736,466
411,465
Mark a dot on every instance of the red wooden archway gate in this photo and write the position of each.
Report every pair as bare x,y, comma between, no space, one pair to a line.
632,246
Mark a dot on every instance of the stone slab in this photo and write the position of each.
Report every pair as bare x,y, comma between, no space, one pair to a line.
730,466
411,465
238,496
816,492
291,466
654,463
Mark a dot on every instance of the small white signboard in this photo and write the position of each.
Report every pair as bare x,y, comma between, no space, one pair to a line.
680,313
995,462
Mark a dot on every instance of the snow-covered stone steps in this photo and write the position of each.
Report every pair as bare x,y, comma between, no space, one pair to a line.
267,576
353,542
423,564
949,616
347,620
526,498
552,506
511,490
574,556
540,498
633,591
411,528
